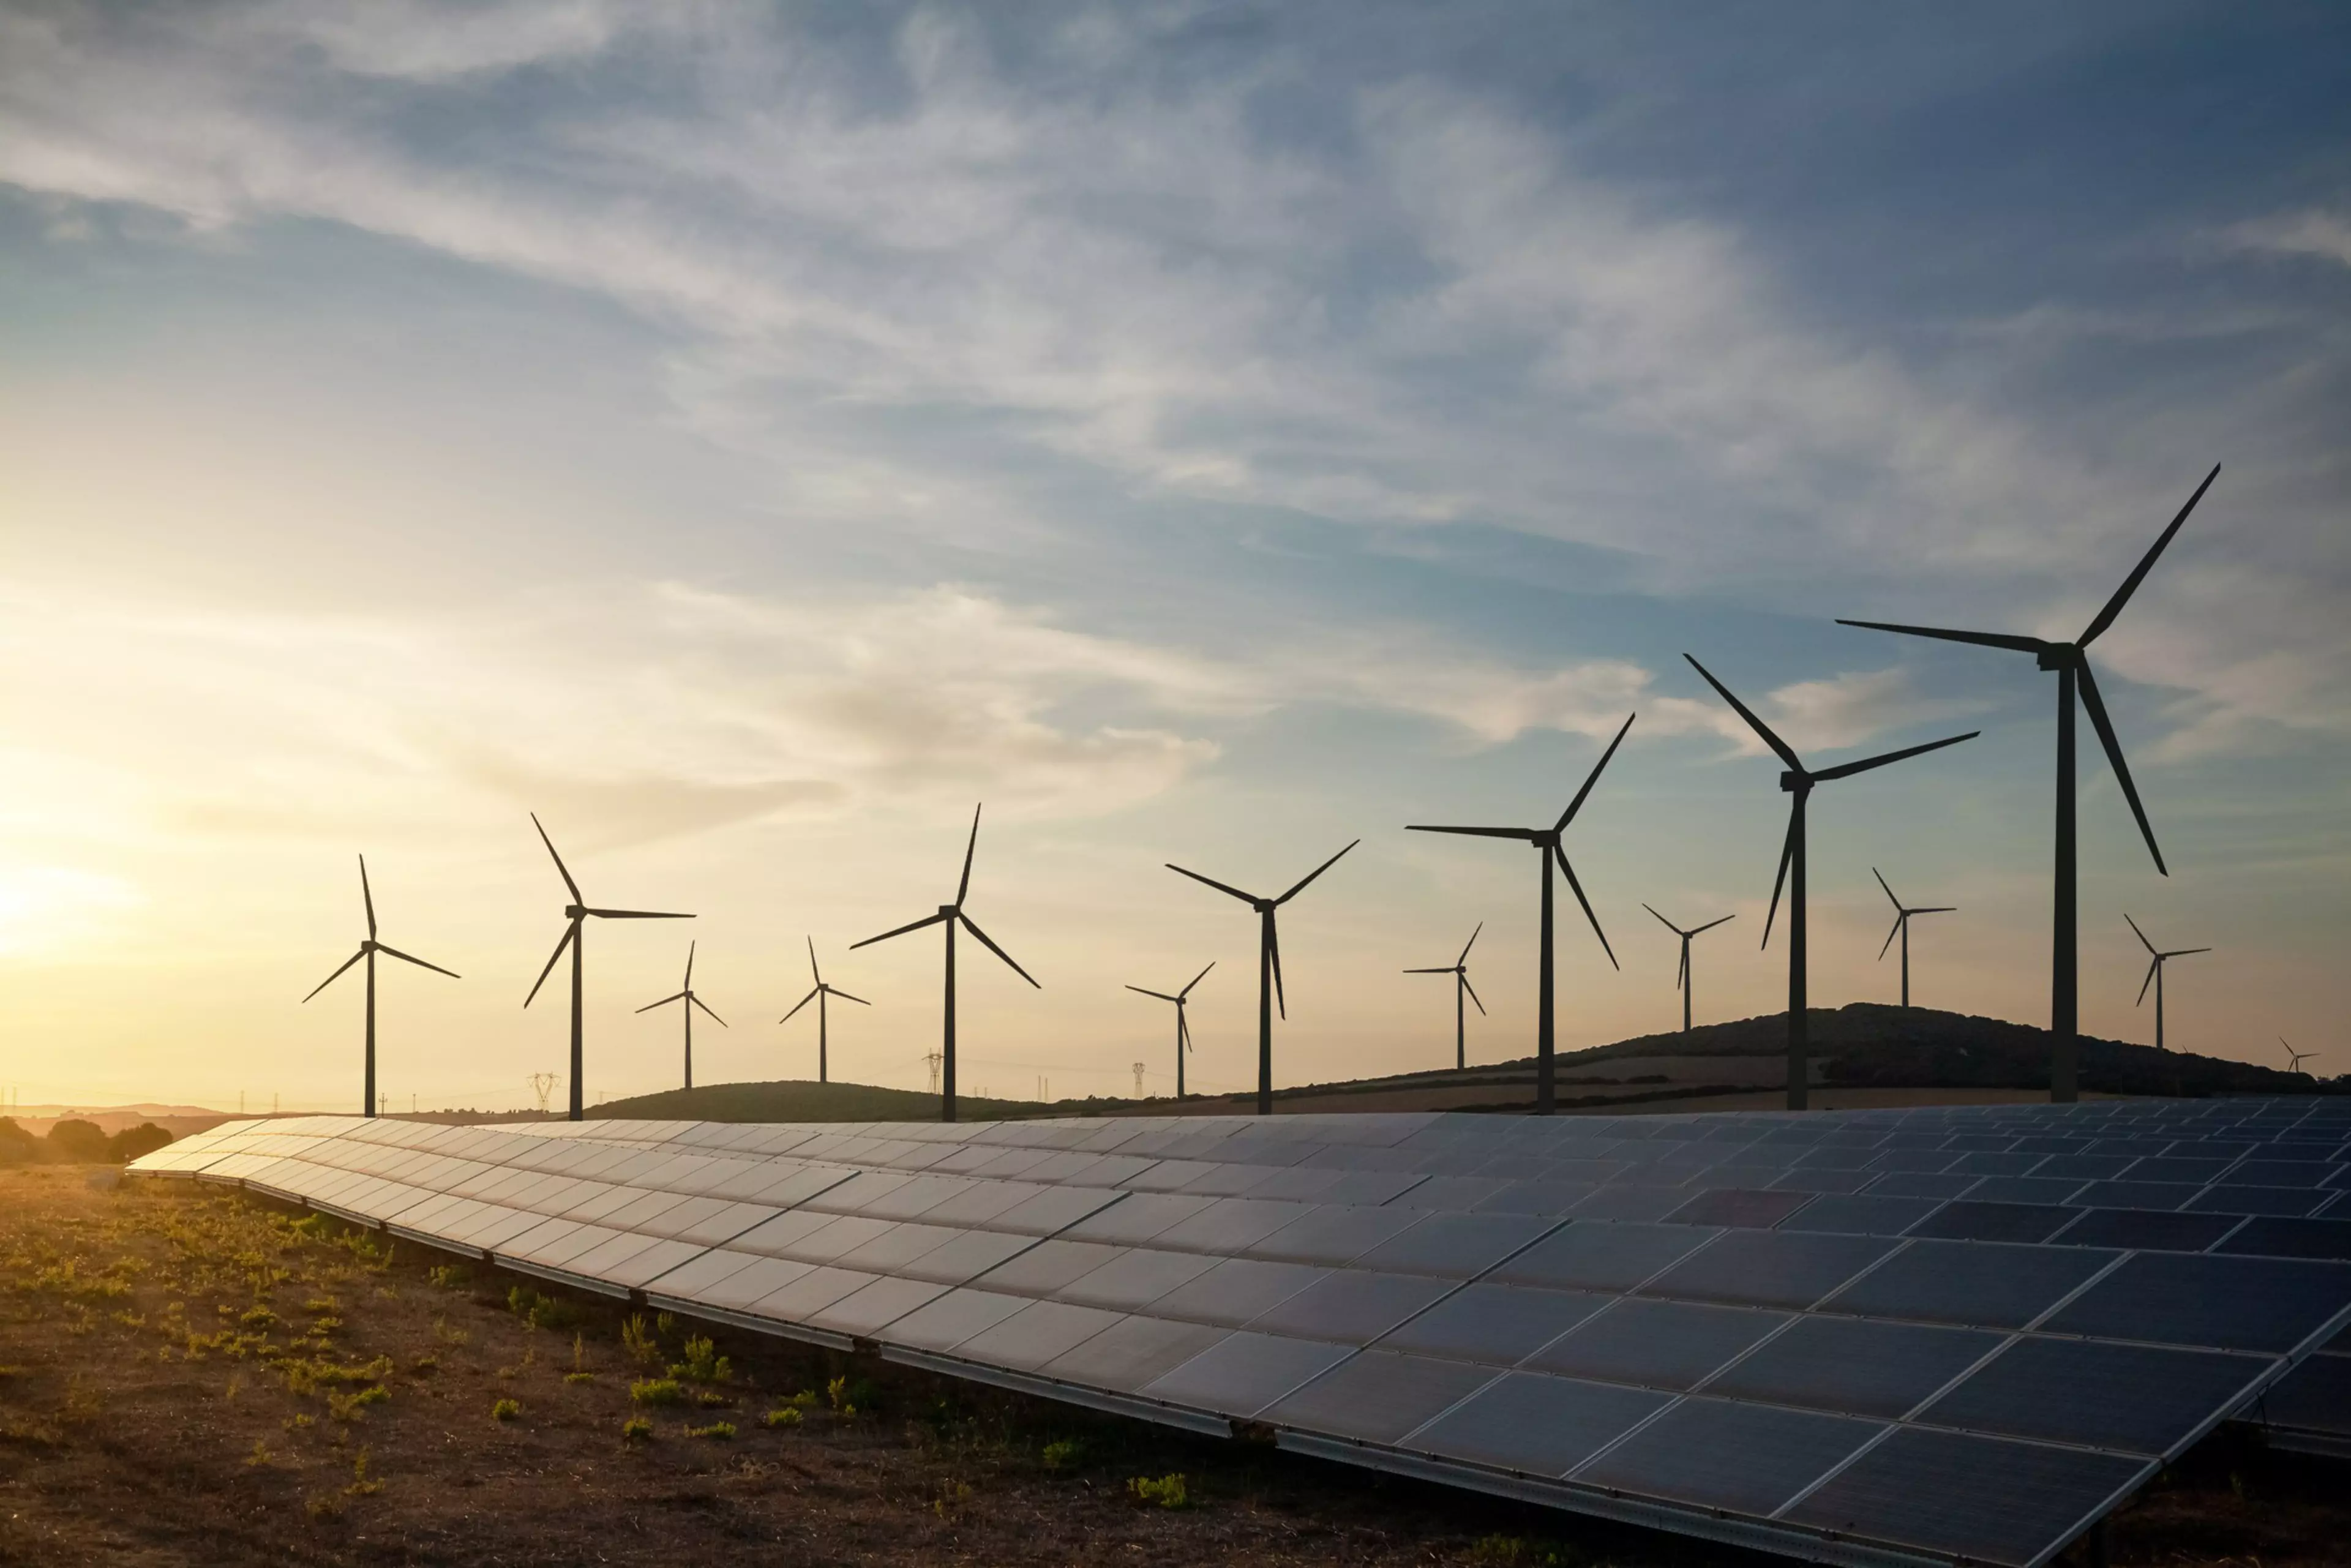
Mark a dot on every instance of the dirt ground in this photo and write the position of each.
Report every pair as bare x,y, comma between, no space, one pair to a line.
189,1377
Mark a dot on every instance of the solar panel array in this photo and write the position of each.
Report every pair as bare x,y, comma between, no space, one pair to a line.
1888,1336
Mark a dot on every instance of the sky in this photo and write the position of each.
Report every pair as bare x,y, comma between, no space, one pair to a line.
749,437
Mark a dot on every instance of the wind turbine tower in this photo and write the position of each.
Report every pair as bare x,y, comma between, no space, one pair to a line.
370,1101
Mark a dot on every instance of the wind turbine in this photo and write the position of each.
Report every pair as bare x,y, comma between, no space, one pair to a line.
2155,975
1269,967
1798,781
1902,929
1183,1031
576,914
950,916
1459,970
1682,978
820,996
2070,662
368,950
688,1001
1546,842
2295,1059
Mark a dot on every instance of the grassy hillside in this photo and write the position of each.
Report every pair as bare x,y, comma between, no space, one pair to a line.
798,1099
1873,1043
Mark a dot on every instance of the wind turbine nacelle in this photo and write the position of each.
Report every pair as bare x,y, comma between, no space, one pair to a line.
575,912
1795,783
947,911
2058,655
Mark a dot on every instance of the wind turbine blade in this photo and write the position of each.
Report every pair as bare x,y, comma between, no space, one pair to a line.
1196,980
1578,888
1787,852
564,870
1935,909
1310,876
337,974
1212,881
989,942
2183,952
367,896
1984,639
696,1001
2097,705
1471,943
1162,995
1753,723
412,958
1183,1029
571,933
1273,951
814,973
1666,922
845,996
1577,804
2131,584
1847,769
801,1003
2143,985
1712,923
689,966
2136,932
636,915
901,931
663,1003
1890,935
1447,969
1889,892
1473,995
970,848
1529,834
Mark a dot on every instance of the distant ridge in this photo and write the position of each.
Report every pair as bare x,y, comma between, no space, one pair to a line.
1860,1045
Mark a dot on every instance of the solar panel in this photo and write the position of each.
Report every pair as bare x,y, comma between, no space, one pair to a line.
1801,1333
2136,1398
1718,1454
1857,1365
1533,1424
1656,1345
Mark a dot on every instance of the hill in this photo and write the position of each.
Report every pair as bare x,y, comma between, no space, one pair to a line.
1874,1054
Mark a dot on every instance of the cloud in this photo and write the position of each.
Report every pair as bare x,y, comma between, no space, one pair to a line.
2314,232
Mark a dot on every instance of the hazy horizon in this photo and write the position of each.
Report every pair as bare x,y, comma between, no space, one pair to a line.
1205,434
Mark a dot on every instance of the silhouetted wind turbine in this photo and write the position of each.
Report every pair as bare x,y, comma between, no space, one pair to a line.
1682,981
1269,967
368,950
1182,1029
820,995
1546,842
1902,929
1798,781
2072,666
687,1002
1459,970
2155,975
576,914
2295,1059
950,916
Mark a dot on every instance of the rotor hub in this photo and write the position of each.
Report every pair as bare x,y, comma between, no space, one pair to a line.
2059,655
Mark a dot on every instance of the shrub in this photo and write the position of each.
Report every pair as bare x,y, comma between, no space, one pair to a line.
849,1396
450,1276
784,1416
639,1341
1165,1491
17,1146
133,1143
1064,1455
505,1410
657,1391
579,1377
362,1484
347,1406
717,1431
541,1311
636,1429
703,1364
77,1142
